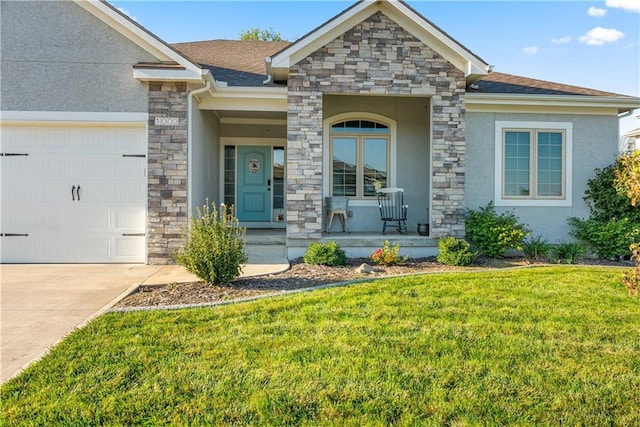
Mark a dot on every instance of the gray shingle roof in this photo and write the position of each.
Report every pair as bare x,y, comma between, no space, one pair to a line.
241,63
237,62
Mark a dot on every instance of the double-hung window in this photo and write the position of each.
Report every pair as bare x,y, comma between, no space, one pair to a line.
533,164
360,158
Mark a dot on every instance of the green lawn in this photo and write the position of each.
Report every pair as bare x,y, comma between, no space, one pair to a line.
557,345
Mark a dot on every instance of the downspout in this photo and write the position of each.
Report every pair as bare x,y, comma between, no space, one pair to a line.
190,96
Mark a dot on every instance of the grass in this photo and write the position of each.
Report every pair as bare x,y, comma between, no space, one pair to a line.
553,345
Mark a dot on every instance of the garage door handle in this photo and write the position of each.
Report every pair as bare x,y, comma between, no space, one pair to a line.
133,234
78,192
73,197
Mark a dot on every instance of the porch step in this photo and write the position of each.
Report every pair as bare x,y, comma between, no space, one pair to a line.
266,254
264,238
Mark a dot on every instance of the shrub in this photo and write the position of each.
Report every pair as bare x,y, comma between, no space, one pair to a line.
214,245
493,234
566,252
454,251
328,253
608,239
537,249
604,198
388,255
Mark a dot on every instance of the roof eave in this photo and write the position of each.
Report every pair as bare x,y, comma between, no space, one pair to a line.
623,104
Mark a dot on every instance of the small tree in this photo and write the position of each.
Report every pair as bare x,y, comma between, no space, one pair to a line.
258,34
214,245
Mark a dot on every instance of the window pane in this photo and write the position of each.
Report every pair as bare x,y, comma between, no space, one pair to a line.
517,150
229,174
344,166
375,165
549,164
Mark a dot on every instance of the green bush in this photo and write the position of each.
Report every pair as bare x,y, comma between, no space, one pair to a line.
566,252
328,253
214,245
604,201
608,239
494,234
614,223
454,251
388,255
537,249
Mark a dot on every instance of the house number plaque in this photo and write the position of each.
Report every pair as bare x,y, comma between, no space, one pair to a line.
167,121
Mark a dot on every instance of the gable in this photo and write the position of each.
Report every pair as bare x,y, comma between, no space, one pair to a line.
168,63
378,56
422,29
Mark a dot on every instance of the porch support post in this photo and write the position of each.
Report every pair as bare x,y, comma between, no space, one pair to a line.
304,160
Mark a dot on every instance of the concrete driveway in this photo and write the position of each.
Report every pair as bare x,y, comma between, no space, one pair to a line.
43,303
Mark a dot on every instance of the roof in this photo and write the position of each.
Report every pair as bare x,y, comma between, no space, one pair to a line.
237,62
509,84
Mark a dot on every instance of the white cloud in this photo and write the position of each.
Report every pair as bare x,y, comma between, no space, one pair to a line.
531,50
628,5
598,36
596,11
126,12
561,40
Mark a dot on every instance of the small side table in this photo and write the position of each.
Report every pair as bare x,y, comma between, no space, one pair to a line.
337,206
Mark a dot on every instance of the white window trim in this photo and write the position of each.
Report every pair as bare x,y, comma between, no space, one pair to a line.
567,127
326,151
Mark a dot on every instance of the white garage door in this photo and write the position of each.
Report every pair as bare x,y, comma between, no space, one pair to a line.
73,194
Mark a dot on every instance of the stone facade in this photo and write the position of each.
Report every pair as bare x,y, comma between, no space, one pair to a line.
167,176
377,57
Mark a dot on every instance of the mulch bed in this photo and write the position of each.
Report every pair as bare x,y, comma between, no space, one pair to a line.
301,276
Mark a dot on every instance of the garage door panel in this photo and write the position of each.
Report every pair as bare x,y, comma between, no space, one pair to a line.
59,167
16,249
18,168
130,192
128,247
96,219
130,220
37,197
19,192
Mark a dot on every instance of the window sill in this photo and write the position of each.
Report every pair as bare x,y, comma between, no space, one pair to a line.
534,202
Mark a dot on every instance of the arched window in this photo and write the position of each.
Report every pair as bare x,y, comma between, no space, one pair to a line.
359,158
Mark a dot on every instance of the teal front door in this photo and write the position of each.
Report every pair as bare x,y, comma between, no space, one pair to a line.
254,184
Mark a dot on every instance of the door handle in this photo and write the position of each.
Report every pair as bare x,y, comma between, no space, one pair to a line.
78,192
268,185
73,197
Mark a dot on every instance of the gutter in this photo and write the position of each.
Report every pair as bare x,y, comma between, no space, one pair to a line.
207,88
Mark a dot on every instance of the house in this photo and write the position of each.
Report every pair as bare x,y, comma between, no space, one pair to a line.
111,137
630,141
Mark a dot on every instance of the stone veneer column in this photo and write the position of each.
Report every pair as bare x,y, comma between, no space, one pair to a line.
376,57
167,176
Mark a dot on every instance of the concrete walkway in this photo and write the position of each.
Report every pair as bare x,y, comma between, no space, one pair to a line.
41,304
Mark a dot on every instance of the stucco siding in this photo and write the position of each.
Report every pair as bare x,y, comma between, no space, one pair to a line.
594,146
205,158
58,57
